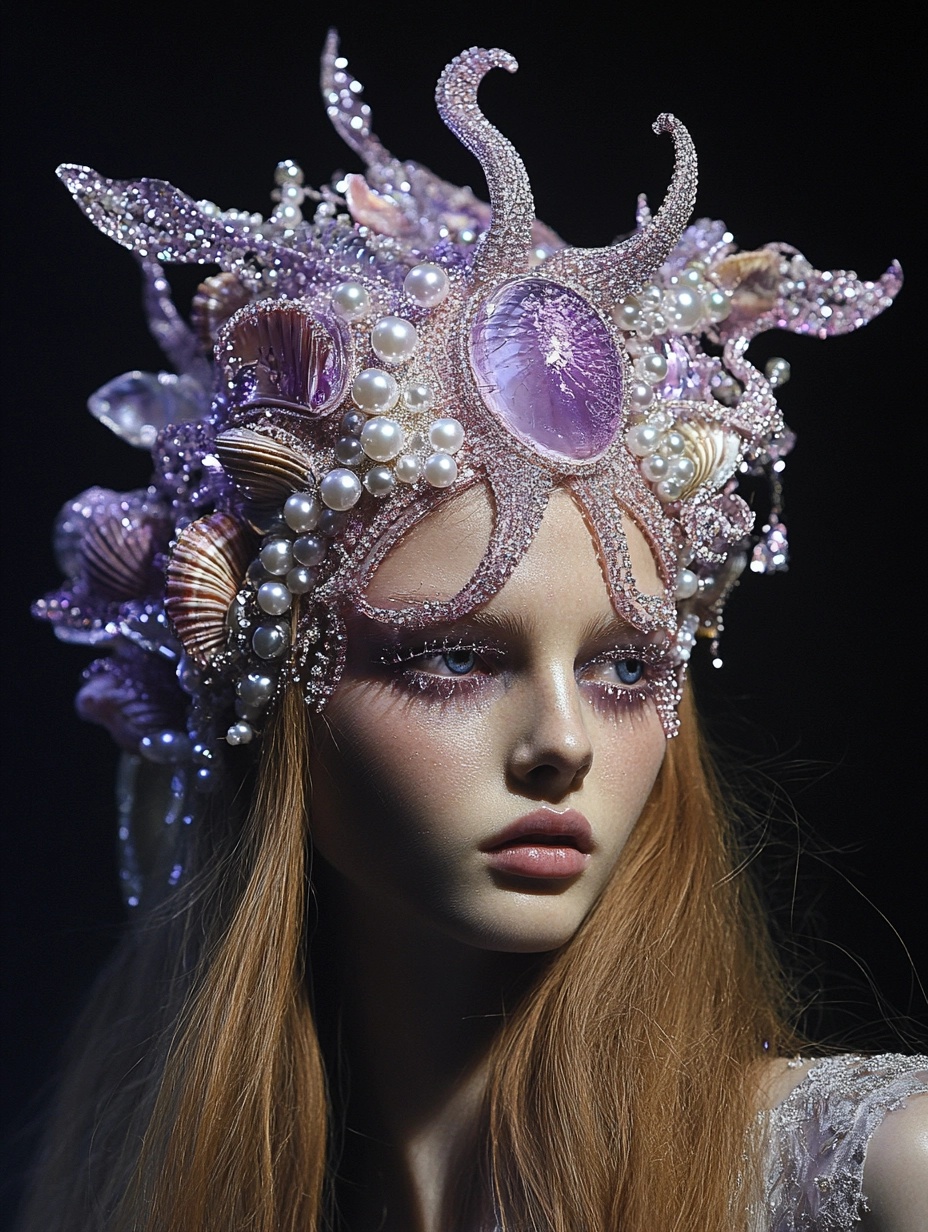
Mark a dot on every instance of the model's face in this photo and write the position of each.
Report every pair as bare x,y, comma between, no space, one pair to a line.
482,779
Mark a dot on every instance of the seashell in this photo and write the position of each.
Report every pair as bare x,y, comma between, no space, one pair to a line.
205,571
217,299
754,277
264,469
117,562
370,209
277,353
713,450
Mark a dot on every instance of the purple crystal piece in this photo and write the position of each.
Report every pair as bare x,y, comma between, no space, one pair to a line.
548,367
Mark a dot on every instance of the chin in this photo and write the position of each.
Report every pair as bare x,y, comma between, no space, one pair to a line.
530,925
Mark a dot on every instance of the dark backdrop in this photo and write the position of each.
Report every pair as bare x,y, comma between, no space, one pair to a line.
804,135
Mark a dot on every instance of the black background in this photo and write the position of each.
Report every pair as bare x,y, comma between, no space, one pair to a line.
804,133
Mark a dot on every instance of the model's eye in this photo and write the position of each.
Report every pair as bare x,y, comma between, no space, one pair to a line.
629,671
460,660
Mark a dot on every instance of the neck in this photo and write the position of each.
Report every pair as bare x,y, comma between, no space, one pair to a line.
418,1013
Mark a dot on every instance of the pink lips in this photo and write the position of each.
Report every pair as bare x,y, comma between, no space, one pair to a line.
543,844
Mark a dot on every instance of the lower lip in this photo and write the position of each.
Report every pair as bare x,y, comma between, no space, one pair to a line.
529,860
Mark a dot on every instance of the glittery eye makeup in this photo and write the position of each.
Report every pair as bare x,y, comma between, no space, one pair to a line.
443,668
625,679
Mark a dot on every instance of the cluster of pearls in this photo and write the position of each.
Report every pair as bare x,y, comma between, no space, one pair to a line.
687,304
287,565
369,434
289,194
653,437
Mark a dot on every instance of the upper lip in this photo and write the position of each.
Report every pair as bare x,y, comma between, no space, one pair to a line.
545,824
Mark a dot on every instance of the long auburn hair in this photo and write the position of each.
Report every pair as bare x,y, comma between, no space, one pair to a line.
622,1091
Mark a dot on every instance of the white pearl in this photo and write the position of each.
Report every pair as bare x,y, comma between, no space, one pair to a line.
627,315
292,192
394,340
375,390
301,511
684,307
682,468
300,580
380,481
641,394
650,295
419,397
691,277
340,489
351,301
274,598
642,439
669,489
426,284
673,444
309,550
287,172
277,557
652,367
447,435
240,733
654,467
287,214
687,585
270,641
440,470
719,305
408,468
381,438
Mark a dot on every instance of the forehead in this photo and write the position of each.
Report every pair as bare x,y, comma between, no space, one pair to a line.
436,559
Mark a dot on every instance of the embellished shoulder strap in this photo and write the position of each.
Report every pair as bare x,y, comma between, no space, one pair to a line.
818,1137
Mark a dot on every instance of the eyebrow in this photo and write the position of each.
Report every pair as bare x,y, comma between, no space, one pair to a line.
601,630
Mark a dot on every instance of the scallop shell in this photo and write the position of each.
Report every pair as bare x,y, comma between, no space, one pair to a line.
264,469
276,353
217,299
117,562
206,569
714,452
754,277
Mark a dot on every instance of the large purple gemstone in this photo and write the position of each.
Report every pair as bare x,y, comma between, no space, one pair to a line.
547,366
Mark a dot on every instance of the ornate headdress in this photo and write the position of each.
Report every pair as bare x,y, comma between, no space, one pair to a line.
345,376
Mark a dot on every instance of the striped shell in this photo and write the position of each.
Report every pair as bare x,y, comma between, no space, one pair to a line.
264,469
117,562
206,569
370,209
714,452
216,300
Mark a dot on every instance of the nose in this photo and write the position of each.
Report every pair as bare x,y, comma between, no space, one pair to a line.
551,751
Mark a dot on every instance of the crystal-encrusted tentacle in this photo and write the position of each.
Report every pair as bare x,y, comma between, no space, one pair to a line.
609,274
343,96
599,499
168,328
823,303
505,247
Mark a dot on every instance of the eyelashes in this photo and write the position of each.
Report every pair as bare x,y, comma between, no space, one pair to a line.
625,679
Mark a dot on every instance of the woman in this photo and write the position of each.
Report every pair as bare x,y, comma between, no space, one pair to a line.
441,547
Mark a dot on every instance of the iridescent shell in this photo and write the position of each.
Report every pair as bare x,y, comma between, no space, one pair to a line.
117,562
264,469
276,353
714,452
206,570
370,209
217,299
754,277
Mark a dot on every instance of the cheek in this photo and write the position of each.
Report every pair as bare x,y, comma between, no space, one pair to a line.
388,780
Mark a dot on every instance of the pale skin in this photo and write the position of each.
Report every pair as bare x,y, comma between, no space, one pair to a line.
529,705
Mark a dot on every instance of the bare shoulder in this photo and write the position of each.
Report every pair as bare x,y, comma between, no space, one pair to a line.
896,1171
